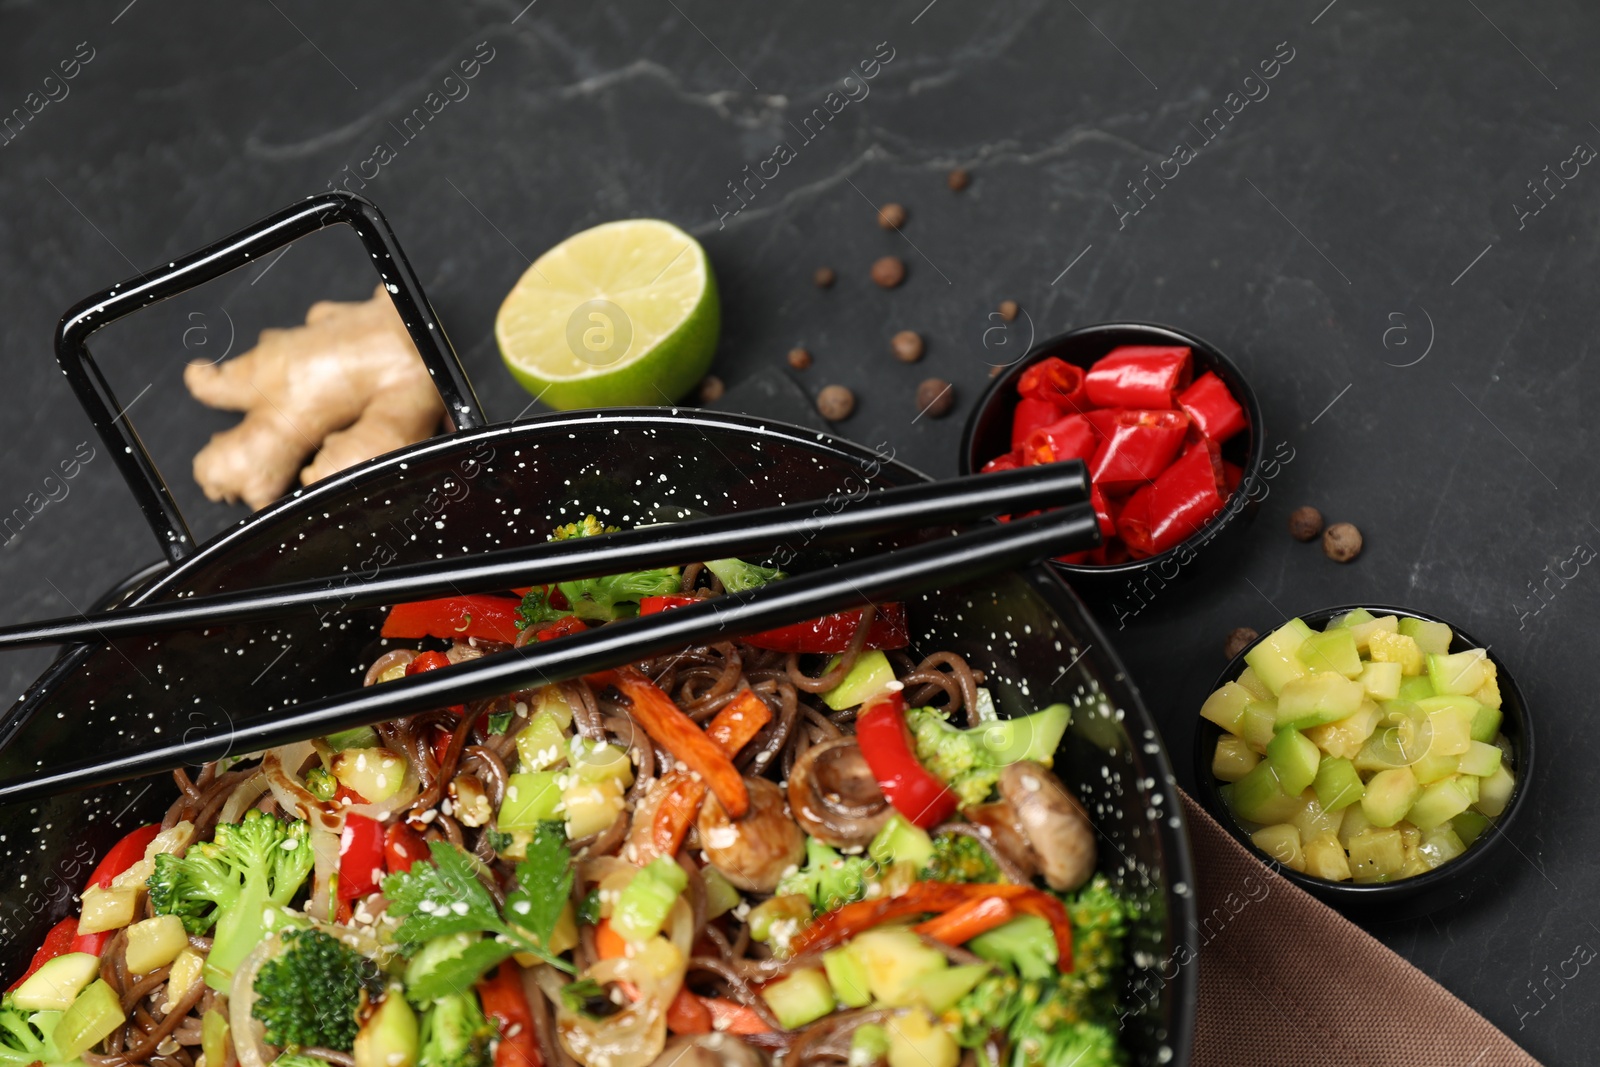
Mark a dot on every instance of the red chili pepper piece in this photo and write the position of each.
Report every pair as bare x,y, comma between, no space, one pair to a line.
886,743
360,856
1213,408
1069,438
1185,497
1054,380
506,1005
58,942
402,846
1133,525
439,744
1141,446
562,627
653,605
1232,475
493,618
832,633
1139,376
841,924
1008,462
1031,414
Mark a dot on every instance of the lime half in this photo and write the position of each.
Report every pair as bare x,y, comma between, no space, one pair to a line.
624,313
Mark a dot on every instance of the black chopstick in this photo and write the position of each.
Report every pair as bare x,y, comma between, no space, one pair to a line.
867,514
941,563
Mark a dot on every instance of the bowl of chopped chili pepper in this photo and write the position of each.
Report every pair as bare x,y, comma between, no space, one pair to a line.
1168,425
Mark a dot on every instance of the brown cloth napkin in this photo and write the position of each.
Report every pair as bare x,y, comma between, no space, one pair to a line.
1286,981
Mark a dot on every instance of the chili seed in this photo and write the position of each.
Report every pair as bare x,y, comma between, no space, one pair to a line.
959,179
1008,310
907,345
711,389
935,398
1305,523
824,277
1238,641
1342,542
835,403
799,358
891,216
889,271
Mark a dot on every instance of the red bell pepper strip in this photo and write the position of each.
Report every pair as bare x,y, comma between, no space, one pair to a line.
402,847
360,856
1030,414
680,735
122,855
58,942
567,624
1213,408
842,923
1010,461
832,633
432,661
1185,497
490,617
654,605
506,1005
885,741
1139,376
1055,381
1071,437
1141,446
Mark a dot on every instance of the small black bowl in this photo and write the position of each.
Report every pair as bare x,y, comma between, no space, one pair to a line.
988,434
1408,897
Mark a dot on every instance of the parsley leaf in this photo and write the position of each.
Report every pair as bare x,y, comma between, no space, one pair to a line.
577,995
455,976
545,881
499,721
438,898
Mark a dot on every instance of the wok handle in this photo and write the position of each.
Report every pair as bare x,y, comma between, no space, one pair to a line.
240,249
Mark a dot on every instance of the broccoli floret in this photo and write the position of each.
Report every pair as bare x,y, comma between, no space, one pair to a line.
596,599
233,880
588,526
1025,946
959,858
308,995
321,783
456,1034
958,757
297,1059
828,879
737,575
28,1037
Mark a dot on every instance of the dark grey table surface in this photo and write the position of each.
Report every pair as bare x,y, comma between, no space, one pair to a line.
1361,232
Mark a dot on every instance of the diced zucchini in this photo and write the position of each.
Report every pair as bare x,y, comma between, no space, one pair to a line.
1234,759
1480,759
542,743
870,675
1386,647
1489,692
355,737
1432,637
1494,792
1434,767
1349,619
93,1015
155,943
941,990
1440,846
799,998
1415,688
108,908
1343,739
1281,842
54,986
1376,854
1337,784
1354,822
1438,804
187,969
900,840
721,896
869,1046
1258,798
1362,631
1028,737
1389,796
915,1041
531,798
1381,680
1472,784
1325,857
389,1037
1469,826
1451,719
1486,723
1314,820
773,915
1315,699
1275,658
1254,685
1461,672
591,807
1333,650
374,774
642,906
599,761
848,976
1226,707
897,962
1294,759
1259,724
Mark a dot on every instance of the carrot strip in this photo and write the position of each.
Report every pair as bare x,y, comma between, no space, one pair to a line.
739,720
731,1017
608,944
676,811
966,921
670,728
688,1015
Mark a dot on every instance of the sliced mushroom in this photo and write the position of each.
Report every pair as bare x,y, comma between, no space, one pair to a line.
710,1050
834,796
998,823
1053,821
755,851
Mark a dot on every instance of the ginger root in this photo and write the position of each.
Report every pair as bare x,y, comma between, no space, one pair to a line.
348,385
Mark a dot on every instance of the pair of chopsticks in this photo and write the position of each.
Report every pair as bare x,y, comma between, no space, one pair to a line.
897,574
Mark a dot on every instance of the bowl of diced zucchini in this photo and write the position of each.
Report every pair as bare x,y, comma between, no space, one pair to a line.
1368,753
